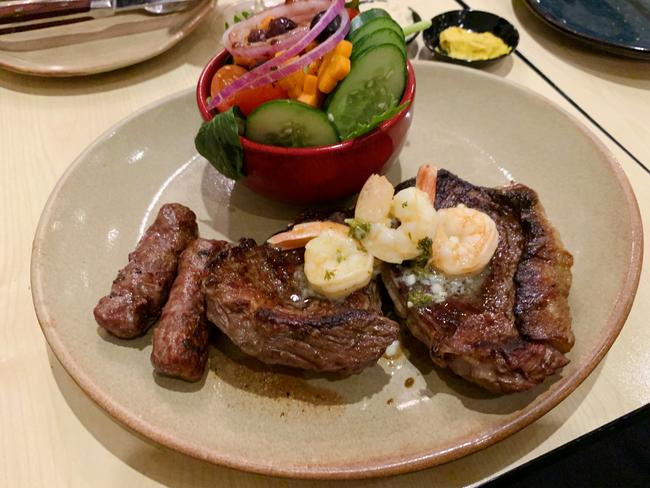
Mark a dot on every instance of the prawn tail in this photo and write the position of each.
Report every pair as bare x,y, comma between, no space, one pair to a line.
426,180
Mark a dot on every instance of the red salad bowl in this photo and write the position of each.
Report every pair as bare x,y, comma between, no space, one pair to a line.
316,174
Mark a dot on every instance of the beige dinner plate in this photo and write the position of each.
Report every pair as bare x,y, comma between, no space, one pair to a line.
399,415
98,45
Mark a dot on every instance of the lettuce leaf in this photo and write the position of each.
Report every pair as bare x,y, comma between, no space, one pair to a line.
218,142
361,128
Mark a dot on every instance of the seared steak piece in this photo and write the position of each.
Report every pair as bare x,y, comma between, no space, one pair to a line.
141,287
180,340
505,329
259,297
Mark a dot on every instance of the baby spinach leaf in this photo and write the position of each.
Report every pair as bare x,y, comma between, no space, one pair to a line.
218,142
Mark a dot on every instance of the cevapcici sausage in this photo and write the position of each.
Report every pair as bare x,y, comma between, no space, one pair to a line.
141,287
180,340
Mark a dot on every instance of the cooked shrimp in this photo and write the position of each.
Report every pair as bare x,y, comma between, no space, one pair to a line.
389,245
418,220
375,200
465,240
426,180
377,206
335,265
301,234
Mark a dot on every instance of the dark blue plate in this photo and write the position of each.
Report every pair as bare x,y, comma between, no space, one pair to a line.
618,26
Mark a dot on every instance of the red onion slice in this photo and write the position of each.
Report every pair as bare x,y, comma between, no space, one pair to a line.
267,71
264,50
235,39
305,59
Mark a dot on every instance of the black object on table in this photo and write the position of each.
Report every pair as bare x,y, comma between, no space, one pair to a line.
614,455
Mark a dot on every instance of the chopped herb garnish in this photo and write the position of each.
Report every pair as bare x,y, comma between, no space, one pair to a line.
245,14
358,229
339,256
425,247
329,274
405,204
417,298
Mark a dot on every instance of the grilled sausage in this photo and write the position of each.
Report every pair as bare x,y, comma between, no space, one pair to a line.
141,287
180,340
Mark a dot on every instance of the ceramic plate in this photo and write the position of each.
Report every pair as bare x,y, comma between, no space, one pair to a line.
281,422
97,45
618,26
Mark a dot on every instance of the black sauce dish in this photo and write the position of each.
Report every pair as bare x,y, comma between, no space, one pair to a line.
473,20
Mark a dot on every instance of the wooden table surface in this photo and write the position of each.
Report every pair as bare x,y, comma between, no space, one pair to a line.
53,435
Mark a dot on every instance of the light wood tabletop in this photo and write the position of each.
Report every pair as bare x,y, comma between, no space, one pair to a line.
54,435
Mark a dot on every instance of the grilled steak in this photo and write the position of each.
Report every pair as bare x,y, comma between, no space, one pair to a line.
258,296
180,340
505,329
141,287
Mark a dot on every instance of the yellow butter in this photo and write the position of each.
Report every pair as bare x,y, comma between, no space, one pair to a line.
460,43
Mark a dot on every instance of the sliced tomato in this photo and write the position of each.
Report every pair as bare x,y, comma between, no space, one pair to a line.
352,12
247,100
225,76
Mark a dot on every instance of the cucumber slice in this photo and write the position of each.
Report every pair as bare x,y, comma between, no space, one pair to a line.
367,16
382,36
290,124
375,25
374,86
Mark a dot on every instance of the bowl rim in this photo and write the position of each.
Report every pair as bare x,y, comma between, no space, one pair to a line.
202,88
471,62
